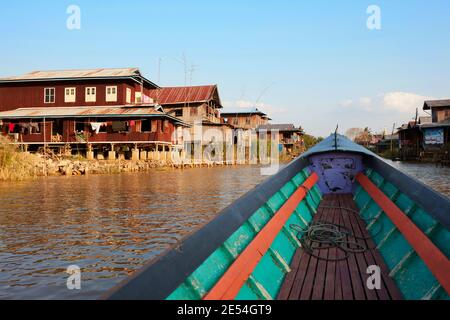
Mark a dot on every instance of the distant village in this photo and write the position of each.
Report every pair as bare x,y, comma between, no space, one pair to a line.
120,114
109,114
426,138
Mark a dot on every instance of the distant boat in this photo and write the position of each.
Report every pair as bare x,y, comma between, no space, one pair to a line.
338,223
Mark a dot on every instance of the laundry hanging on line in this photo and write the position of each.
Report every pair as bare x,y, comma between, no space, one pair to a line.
96,126
35,126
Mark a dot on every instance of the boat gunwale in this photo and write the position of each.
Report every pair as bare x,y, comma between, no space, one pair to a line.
163,274
433,202
166,272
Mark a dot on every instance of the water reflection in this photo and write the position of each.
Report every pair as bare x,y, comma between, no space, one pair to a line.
107,225
435,177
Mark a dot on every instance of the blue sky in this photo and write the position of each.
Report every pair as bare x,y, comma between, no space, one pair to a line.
312,63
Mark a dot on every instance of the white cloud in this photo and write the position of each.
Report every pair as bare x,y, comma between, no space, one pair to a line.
400,102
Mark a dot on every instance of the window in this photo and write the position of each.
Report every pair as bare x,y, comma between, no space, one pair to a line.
49,95
146,126
69,95
91,94
128,95
111,94
179,113
79,126
104,128
247,120
138,97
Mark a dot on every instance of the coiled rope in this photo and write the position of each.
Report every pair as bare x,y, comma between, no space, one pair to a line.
323,235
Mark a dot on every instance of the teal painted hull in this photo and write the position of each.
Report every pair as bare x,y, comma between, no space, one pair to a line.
203,262
410,273
267,278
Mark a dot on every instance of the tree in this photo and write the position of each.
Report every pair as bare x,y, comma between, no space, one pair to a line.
353,133
365,137
311,141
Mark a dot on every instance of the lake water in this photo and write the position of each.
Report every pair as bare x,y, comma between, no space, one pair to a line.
111,225
107,225
435,177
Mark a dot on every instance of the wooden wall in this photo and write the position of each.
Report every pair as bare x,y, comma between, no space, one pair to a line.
162,131
28,95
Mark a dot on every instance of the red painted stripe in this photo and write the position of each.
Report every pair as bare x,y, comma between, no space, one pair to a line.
228,287
436,261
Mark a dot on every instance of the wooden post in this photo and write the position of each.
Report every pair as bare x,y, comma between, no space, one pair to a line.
112,153
392,140
89,153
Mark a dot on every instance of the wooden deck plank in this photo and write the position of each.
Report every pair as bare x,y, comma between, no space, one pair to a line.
300,277
311,273
360,230
389,288
331,275
355,277
316,279
344,271
290,277
319,280
324,285
361,260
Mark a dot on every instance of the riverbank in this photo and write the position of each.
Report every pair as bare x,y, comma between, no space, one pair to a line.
16,165
21,166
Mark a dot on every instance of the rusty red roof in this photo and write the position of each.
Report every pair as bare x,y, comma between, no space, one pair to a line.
181,95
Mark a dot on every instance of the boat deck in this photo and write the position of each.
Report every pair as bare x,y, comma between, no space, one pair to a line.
317,279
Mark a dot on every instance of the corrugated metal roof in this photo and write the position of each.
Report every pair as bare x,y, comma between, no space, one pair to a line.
243,111
82,112
81,74
444,124
68,74
179,95
280,127
436,104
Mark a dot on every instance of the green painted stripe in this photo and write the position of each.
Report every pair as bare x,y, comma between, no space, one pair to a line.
409,272
277,260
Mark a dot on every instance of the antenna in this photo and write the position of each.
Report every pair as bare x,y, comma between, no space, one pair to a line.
191,71
417,115
263,92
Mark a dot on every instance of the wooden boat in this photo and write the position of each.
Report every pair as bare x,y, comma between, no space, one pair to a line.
338,223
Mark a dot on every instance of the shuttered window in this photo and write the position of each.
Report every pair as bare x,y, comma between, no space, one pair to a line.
91,94
138,97
69,95
49,95
111,94
128,99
